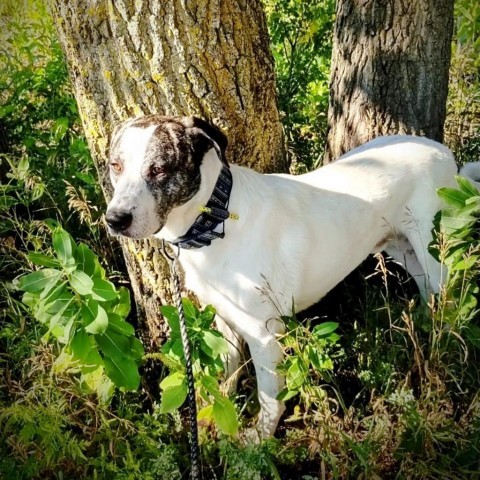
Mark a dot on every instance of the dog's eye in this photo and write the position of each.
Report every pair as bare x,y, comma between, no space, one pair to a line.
157,170
116,167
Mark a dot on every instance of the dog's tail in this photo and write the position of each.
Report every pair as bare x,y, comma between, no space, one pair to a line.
471,171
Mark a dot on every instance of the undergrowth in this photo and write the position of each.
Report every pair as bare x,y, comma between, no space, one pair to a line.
379,386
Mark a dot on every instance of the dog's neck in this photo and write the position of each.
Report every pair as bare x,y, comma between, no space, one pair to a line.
181,218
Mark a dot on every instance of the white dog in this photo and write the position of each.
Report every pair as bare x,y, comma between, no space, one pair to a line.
240,231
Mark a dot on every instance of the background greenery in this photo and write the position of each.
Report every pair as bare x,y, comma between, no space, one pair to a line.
392,391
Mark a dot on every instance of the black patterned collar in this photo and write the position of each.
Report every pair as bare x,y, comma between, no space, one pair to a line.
214,213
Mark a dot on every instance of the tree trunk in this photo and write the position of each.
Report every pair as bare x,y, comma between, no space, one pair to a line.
389,71
208,58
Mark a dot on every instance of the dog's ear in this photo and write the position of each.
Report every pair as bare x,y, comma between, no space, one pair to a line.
204,136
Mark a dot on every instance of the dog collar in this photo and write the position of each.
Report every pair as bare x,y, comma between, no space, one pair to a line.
214,213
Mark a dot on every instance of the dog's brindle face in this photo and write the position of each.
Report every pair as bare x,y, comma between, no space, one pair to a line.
154,167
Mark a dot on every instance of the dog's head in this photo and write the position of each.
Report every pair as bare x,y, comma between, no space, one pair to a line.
155,167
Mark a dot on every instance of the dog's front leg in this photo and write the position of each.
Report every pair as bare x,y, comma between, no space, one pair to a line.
234,357
266,355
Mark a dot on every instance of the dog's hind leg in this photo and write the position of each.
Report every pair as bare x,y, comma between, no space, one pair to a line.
420,235
232,360
401,250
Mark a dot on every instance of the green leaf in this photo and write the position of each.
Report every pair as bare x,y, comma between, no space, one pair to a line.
465,263
324,329
189,308
296,374
214,343
207,316
81,282
85,351
64,246
466,186
115,345
42,260
87,261
453,197
122,307
100,323
136,350
287,394
119,325
171,315
123,372
37,281
211,386
174,392
225,416
205,414
103,290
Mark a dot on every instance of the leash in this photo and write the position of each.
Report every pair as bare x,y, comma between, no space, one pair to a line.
195,473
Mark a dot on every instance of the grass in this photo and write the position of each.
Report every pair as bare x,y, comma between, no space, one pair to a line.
396,396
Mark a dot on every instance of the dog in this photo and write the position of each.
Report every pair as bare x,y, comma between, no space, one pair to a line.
245,237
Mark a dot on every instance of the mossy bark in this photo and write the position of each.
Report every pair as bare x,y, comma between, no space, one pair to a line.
389,74
209,58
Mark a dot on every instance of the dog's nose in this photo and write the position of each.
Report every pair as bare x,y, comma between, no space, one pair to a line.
118,219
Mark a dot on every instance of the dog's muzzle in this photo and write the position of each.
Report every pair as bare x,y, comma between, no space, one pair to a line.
118,220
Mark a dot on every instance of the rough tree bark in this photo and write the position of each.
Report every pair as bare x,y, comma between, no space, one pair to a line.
389,70
209,58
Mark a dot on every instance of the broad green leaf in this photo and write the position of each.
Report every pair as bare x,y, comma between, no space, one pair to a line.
123,372
173,380
287,394
214,343
64,246
207,316
465,263
174,392
81,282
453,220
53,289
189,308
225,416
58,321
85,351
57,299
122,307
324,329
68,331
205,414
136,350
466,186
296,374
171,315
42,259
103,290
37,281
86,260
174,349
30,299
119,325
453,197
211,385
100,323
117,346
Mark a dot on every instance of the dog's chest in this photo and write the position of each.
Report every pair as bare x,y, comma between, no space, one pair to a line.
228,282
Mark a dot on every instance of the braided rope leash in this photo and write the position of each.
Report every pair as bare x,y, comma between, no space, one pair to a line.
192,405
